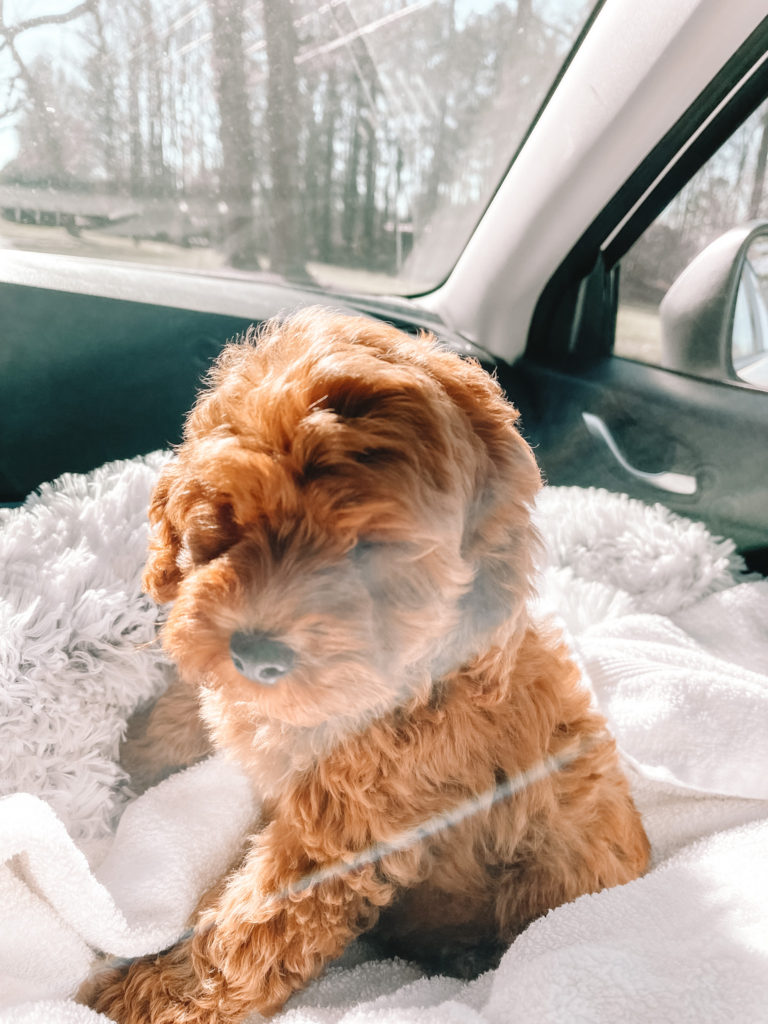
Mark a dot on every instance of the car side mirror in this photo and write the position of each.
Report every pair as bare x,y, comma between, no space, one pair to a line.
714,318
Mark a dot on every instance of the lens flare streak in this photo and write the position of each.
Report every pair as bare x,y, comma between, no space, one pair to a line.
436,824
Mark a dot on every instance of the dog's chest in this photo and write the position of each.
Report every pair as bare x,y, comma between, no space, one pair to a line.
271,752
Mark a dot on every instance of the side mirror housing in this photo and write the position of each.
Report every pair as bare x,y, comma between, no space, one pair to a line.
698,312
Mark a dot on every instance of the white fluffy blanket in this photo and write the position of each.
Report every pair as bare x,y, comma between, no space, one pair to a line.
675,648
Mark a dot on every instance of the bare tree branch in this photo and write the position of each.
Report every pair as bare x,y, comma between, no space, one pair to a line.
10,86
11,31
13,109
8,35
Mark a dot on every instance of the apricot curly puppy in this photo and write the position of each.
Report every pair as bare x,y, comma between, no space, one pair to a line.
346,538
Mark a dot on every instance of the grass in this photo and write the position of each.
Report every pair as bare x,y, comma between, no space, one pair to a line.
41,238
38,238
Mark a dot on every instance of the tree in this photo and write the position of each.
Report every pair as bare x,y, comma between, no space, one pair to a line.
287,251
758,185
101,79
331,116
235,129
41,114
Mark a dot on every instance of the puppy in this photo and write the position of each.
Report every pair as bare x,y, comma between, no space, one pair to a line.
345,536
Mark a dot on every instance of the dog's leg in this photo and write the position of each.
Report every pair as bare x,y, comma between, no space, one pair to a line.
170,735
268,932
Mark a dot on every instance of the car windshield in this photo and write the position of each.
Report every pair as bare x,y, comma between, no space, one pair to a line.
347,144
351,144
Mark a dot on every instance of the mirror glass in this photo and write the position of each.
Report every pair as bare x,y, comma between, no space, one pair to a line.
749,335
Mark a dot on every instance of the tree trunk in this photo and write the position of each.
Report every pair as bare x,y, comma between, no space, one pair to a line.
136,142
439,152
351,197
235,130
369,206
154,92
758,186
330,120
524,14
312,164
286,249
104,87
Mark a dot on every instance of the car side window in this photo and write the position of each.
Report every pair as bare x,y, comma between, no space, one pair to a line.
693,291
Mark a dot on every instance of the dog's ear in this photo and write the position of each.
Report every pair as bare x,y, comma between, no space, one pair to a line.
162,574
499,540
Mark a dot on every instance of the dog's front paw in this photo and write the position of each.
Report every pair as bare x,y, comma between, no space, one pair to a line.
154,990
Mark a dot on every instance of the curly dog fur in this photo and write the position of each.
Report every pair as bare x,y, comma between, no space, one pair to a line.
345,536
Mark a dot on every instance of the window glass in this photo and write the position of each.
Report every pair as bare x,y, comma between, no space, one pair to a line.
352,144
749,340
729,191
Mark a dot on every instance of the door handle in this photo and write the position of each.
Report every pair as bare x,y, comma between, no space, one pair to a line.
673,483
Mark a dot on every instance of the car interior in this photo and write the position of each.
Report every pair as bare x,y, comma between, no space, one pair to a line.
606,260
131,344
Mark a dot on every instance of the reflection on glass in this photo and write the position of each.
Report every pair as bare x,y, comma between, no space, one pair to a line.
348,143
749,335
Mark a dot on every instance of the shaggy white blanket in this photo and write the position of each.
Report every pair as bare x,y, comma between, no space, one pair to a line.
676,651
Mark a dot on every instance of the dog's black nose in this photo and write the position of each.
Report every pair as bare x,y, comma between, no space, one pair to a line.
260,657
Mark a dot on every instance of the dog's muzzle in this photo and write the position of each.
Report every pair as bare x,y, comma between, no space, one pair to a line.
260,657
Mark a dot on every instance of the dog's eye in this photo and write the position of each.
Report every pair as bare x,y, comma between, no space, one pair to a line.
373,456
211,535
204,546
364,548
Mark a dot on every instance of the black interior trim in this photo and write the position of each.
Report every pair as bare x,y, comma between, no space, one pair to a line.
692,159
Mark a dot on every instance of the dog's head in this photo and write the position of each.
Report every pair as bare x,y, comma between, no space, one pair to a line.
347,518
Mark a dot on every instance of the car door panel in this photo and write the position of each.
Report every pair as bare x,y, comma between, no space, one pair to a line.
661,422
86,379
